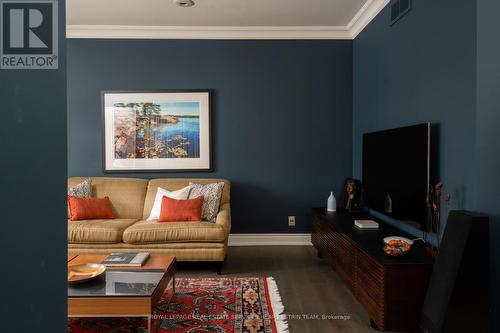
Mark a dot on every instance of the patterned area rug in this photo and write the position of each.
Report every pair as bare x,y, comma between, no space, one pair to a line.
218,305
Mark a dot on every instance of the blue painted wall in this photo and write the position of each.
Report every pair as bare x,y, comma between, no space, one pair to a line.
33,202
487,168
443,69
282,115
421,69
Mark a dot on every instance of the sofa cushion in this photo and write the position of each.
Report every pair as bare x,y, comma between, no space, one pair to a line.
151,232
126,194
200,251
97,231
173,184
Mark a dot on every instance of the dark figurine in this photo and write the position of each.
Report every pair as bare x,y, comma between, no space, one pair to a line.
434,209
352,195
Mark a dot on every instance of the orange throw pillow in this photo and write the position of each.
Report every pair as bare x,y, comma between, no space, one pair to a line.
89,208
180,210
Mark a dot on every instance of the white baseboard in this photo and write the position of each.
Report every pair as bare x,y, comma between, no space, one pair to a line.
269,239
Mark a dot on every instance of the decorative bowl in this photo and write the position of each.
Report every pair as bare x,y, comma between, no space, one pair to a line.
397,246
85,272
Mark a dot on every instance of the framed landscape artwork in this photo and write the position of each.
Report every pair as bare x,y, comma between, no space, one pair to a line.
167,131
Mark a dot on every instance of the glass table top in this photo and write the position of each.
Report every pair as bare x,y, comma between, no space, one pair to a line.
118,283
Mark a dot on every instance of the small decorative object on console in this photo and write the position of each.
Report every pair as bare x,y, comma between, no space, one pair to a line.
351,200
366,224
434,210
331,203
397,246
388,204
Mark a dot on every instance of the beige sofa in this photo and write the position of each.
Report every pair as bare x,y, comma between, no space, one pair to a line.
132,200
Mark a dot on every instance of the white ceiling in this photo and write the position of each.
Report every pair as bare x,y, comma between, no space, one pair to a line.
213,12
218,15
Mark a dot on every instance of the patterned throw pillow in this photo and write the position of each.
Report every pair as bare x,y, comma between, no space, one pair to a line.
82,190
212,195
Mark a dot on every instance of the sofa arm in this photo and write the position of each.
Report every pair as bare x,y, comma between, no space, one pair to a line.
224,217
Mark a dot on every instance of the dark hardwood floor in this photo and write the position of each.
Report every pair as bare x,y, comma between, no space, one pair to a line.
308,286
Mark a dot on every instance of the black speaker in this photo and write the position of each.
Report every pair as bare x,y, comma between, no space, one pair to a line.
458,296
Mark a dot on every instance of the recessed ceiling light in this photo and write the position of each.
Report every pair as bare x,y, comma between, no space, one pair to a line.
184,3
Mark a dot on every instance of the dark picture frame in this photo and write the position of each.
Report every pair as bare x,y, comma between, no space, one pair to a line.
157,131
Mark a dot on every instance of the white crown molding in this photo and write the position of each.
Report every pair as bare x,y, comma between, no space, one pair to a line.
364,16
184,32
269,239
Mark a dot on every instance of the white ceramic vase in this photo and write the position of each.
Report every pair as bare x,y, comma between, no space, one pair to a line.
331,204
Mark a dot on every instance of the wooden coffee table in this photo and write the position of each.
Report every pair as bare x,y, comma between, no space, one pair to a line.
121,291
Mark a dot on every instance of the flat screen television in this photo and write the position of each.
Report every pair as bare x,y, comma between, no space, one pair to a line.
396,172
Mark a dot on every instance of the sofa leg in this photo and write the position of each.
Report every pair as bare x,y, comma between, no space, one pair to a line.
219,267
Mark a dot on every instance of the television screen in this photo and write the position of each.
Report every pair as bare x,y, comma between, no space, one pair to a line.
396,165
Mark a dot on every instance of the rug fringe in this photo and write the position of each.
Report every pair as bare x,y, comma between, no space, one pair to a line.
278,308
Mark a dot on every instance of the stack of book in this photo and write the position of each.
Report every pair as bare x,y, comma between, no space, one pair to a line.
126,259
366,224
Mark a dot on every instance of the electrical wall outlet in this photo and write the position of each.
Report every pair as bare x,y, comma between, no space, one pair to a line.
291,221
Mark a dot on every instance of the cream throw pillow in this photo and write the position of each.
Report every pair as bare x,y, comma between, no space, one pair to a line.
181,194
